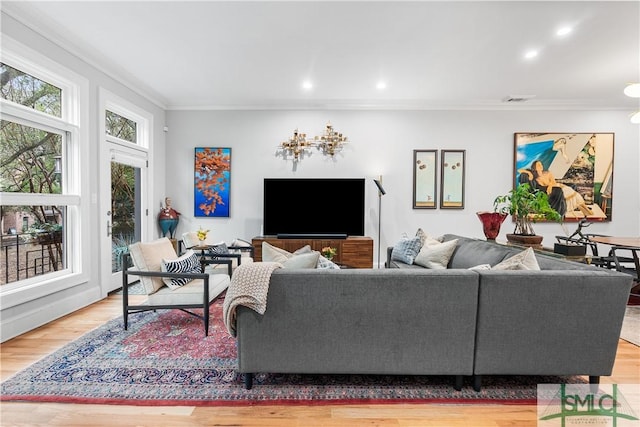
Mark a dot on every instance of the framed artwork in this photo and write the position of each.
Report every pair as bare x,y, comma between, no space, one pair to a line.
424,179
452,167
212,181
575,169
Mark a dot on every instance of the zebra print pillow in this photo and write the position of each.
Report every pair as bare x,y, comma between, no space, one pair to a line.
218,249
187,263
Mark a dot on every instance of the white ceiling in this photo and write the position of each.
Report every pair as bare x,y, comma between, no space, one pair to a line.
431,54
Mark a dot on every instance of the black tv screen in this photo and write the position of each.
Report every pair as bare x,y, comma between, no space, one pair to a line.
313,207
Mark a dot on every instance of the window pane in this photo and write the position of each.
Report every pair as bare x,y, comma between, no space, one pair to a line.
31,159
33,242
120,127
24,89
125,210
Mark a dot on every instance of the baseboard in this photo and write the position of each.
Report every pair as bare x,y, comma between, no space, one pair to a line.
34,314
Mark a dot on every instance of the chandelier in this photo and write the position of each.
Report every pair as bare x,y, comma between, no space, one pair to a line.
297,146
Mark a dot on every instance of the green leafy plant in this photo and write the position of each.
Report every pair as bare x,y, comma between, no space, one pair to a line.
527,205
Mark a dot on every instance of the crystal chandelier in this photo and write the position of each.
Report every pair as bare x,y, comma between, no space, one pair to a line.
330,142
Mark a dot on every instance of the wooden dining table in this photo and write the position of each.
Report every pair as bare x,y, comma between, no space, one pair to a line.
628,242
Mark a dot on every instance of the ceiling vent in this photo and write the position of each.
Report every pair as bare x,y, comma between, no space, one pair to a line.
517,98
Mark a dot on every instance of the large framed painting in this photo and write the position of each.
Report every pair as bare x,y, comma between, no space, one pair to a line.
424,179
575,169
212,182
452,166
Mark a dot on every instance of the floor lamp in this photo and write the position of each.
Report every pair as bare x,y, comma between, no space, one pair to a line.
381,193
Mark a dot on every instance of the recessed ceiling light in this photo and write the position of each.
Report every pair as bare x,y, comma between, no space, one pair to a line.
632,90
531,54
307,85
563,31
381,85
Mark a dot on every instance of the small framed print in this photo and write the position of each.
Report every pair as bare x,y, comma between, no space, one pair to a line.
452,166
424,179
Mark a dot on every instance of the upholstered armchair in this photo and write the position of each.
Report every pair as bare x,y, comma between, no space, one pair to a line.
172,282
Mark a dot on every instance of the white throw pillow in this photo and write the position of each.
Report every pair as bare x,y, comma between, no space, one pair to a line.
525,260
436,255
323,263
271,253
480,267
308,260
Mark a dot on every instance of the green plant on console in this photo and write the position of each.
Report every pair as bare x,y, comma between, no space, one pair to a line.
527,206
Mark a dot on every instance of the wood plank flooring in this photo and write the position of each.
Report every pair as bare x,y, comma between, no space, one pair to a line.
20,352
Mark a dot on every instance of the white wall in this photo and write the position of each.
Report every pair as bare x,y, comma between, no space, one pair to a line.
31,313
382,143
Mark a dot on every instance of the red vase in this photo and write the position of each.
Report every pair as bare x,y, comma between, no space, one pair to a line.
491,222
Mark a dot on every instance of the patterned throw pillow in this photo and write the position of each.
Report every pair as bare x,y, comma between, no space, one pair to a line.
218,249
406,250
436,255
187,263
525,260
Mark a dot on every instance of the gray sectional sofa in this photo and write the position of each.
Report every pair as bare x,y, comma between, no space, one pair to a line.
562,320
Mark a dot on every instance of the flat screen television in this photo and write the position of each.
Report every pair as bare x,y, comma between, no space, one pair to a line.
313,207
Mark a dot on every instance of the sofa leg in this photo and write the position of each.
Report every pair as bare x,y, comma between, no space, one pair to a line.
248,381
477,382
594,382
458,382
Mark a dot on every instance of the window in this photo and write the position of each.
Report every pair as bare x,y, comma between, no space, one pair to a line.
39,170
25,89
120,127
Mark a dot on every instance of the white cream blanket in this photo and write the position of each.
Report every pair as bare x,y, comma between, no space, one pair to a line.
249,287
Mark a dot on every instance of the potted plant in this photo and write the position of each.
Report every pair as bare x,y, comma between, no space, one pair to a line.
527,205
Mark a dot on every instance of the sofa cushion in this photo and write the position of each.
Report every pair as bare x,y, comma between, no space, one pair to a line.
187,263
406,250
323,262
148,257
525,260
435,255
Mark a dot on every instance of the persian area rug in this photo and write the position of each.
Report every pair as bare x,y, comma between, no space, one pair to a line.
164,359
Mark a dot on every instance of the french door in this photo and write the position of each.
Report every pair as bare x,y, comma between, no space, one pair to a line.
123,214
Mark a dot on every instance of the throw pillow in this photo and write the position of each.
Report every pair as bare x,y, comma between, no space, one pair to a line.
525,260
323,262
406,250
436,255
422,236
308,260
271,253
218,249
187,263
480,267
427,238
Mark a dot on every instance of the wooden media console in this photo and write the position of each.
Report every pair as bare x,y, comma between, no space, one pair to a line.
355,252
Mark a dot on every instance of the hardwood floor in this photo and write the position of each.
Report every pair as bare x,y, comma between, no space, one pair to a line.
20,352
